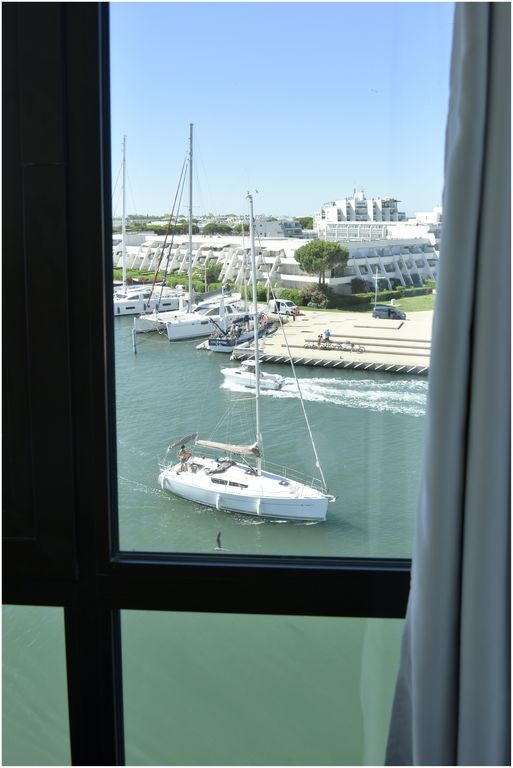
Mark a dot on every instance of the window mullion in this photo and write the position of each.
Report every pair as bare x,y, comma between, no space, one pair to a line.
93,658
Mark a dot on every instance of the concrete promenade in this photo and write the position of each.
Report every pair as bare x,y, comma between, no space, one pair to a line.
395,346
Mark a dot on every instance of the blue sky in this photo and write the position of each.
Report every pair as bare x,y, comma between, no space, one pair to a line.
302,101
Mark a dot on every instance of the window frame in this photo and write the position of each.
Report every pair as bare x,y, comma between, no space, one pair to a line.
73,559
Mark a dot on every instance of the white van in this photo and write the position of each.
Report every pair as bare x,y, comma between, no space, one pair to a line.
282,307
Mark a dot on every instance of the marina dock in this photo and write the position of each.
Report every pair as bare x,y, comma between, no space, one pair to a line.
392,346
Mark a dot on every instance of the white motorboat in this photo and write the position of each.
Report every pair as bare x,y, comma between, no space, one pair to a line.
245,376
235,485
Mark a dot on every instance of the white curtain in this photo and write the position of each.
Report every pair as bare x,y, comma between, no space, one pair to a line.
452,701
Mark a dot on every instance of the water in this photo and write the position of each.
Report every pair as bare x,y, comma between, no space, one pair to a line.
368,430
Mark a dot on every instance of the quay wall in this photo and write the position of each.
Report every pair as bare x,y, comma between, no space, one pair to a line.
391,346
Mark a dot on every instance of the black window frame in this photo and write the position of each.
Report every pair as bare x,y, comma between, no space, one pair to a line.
60,397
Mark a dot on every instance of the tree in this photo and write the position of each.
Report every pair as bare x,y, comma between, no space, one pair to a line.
313,296
182,228
305,221
317,256
216,229
213,272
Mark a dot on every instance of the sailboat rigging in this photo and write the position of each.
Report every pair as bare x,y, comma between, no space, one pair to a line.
194,321
136,299
233,484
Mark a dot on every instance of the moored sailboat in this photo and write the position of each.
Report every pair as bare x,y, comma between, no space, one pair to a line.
139,299
239,332
230,482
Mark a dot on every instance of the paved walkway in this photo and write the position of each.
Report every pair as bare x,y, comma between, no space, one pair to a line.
397,346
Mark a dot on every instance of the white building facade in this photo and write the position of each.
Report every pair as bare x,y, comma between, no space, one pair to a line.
353,212
277,228
396,261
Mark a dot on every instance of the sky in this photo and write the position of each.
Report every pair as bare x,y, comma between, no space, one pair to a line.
304,102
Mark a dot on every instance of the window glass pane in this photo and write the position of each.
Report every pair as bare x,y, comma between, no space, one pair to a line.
202,689
363,389
35,727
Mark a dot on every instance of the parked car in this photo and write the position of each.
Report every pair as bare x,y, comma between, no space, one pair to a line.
283,307
388,312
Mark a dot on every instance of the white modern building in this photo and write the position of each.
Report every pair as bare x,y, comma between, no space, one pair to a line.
278,228
359,218
404,261
357,210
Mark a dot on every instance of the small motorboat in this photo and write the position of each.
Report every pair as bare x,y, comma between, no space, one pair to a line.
245,376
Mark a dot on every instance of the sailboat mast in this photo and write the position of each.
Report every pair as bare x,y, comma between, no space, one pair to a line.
123,219
255,313
190,217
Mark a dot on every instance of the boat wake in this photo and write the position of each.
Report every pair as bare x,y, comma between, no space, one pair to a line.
400,396
139,487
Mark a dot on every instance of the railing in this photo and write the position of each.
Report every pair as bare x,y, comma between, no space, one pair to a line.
295,476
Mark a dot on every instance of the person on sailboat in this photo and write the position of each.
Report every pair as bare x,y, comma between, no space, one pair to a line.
184,457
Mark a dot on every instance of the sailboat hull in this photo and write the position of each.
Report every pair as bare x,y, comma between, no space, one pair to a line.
201,323
238,489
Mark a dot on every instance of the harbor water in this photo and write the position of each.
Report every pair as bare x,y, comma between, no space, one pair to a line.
239,690
367,428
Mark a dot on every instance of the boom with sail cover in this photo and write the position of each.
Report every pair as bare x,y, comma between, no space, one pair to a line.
239,450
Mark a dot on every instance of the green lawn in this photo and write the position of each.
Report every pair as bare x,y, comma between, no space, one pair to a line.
410,304
417,303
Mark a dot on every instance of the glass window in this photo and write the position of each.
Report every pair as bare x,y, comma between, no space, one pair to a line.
34,697
223,689
367,425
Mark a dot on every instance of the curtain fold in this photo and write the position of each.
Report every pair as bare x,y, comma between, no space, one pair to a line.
452,698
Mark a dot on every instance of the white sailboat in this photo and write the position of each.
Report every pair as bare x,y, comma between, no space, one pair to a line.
203,320
189,320
233,484
139,299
